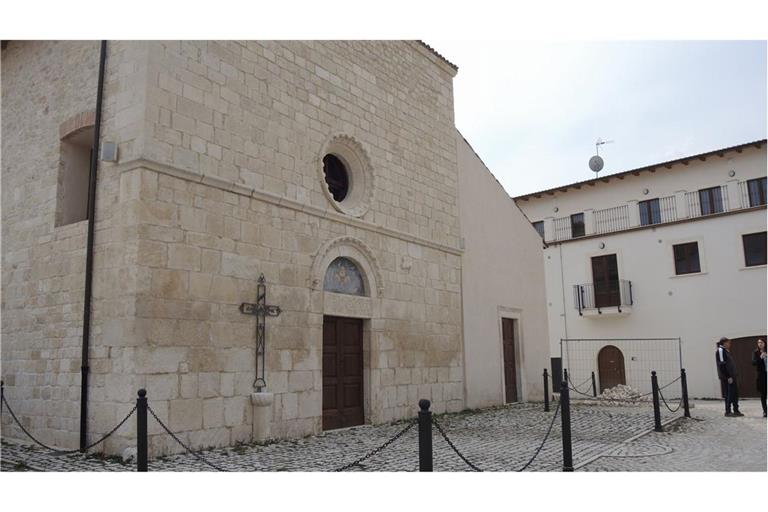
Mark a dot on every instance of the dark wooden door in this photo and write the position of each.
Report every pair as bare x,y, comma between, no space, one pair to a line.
746,376
510,368
342,372
610,367
605,278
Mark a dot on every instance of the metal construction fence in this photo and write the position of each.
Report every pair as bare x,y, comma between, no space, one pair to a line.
628,361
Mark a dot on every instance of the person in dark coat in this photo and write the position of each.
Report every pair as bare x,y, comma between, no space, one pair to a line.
726,371
759,359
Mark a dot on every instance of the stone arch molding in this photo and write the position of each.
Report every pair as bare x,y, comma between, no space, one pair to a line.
77,123
355,250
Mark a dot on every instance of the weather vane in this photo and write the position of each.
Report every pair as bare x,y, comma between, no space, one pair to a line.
596,162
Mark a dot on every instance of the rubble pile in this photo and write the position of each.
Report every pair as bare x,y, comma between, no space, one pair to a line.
622,392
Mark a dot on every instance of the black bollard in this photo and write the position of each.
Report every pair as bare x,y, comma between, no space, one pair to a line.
546,391
565,416
141,431
425,436
684,386
656,408
594,385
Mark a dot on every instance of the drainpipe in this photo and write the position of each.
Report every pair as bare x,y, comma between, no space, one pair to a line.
84,368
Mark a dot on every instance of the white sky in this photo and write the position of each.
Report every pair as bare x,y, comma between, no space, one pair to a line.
533,110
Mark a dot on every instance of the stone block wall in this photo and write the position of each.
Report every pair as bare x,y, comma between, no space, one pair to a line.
42,266
232,188
257,114
199,257
218,180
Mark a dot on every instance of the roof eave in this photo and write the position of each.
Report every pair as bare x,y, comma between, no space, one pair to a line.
649,168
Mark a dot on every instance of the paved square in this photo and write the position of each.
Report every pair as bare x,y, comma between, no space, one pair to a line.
605,438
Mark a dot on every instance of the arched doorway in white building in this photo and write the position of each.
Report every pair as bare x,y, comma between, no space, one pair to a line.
610,367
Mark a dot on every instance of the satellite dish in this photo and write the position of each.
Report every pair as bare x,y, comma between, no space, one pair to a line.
596,163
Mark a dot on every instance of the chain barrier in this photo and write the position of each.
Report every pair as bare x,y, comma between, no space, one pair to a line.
669,383
453,447
189,450
546,436
574,387
66,452
377,450
679,404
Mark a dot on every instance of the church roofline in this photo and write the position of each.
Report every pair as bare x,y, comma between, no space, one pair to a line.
438,55
648,168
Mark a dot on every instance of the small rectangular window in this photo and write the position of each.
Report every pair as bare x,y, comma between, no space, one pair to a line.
754,249
539,227
687,258
74,172
756,190
711,200
577,225
650,213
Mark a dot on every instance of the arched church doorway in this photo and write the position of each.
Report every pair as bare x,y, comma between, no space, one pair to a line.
343,386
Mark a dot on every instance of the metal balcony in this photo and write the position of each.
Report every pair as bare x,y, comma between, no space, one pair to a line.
600,296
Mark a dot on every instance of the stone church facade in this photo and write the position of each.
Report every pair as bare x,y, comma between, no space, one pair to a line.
227,169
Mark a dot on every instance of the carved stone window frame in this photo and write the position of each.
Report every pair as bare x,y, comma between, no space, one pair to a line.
359,172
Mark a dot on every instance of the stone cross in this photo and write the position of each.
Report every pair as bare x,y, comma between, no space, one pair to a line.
261,310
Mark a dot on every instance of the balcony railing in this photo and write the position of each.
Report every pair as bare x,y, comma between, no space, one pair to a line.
562,228
699,203
606,294
668,209
612,219
711,203
752,194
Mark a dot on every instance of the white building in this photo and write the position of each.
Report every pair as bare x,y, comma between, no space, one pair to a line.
503,296
672,250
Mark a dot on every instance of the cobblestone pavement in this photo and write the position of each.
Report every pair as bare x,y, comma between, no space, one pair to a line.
706,442
499,439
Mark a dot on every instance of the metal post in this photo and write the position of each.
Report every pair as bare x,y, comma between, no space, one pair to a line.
565,378
594,385
2,395
546,391
684,386
425,436
656,408
578,298
565,415
141,431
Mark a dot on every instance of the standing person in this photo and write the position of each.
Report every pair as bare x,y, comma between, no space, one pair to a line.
759,360
726,371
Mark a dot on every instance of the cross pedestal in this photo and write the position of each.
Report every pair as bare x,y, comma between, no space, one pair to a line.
262,415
